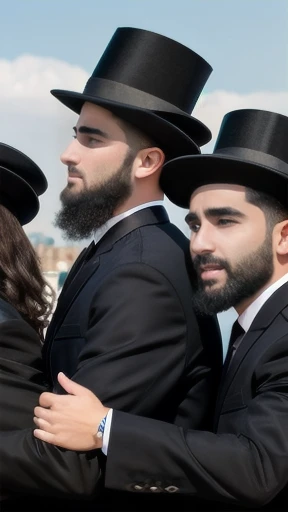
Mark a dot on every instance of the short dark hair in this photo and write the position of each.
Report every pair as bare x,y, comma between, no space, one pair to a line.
273,209
136,138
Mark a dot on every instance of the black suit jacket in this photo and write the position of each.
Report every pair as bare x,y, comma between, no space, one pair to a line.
245,461
124,328
21,371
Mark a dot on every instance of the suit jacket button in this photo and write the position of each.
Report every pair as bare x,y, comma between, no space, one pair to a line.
138,487
171,488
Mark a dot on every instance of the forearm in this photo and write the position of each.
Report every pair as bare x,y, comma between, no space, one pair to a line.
227,467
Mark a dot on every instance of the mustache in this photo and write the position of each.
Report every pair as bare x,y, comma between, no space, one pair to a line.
208,259
73,171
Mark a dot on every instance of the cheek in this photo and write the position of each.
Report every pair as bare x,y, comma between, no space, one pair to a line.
244,239
107,160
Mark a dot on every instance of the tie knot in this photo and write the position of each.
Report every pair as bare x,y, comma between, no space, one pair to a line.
236,332
90,251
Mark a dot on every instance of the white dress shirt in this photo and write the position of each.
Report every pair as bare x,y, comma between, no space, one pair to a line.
247,317
245,320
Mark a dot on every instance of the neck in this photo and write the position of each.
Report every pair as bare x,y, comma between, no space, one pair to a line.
134,201
242,306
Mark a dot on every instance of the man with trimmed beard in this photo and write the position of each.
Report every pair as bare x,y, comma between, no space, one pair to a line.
124,325
239,246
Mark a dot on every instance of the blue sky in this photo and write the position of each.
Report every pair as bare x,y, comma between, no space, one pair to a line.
245,41
47,44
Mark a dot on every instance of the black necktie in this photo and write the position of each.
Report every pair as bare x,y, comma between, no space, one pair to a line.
90,251
236,335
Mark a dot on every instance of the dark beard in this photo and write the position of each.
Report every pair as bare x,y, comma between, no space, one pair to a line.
83,213
246,279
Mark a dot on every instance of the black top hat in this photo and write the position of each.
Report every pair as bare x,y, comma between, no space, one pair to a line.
21,182
152,82
251,150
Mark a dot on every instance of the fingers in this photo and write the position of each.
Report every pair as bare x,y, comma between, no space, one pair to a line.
72,387
42,424
54,401
44,414
46,399
45,436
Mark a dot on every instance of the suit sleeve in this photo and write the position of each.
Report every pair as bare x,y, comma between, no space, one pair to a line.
246,464
26,464
134,354
136,350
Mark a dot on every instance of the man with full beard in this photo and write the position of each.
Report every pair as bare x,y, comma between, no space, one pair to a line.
239,245
124,325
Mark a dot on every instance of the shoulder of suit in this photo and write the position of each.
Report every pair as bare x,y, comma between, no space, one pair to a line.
167,231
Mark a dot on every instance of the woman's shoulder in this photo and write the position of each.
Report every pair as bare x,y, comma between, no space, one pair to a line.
7,311
19,342
21,369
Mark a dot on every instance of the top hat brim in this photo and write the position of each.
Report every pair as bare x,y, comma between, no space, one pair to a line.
182,176
17,196
170,138
194,128
24,167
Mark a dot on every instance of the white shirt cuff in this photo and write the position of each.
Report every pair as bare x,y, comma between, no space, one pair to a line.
106,434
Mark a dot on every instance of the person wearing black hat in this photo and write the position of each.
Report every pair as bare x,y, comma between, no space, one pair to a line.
123,325
238,218
25,302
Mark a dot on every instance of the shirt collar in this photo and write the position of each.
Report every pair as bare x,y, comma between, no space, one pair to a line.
99,233
247,317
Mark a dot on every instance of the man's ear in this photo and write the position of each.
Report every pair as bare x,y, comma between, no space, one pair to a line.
282,238
148,161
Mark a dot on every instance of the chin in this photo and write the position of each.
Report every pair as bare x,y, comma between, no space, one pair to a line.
68,193
210,288
72,188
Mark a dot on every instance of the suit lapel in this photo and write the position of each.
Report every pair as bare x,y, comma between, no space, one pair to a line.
76,267
79,262
248,340
89,259
270,309
145,217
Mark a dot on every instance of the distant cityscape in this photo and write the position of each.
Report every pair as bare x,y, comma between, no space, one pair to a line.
56,261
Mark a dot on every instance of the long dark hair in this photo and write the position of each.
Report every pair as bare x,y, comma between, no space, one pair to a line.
21,281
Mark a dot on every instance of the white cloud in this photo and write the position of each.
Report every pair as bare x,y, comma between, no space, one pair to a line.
36,123
31,78
212,107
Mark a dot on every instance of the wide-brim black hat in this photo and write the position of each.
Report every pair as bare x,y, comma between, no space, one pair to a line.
21,182
251,150
152,82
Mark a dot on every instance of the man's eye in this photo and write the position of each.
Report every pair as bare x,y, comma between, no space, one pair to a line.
194,228
93,142
225,222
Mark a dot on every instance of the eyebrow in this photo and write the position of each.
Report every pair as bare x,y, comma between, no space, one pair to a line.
215,212
91,131
191,217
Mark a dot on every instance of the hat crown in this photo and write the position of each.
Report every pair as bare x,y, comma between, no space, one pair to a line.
156,65
151,82
251,150
257,130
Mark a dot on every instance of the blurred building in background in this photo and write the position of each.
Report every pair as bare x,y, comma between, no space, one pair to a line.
55,261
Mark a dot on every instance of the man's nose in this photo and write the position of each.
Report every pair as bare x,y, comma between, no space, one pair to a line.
201,243
70,156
